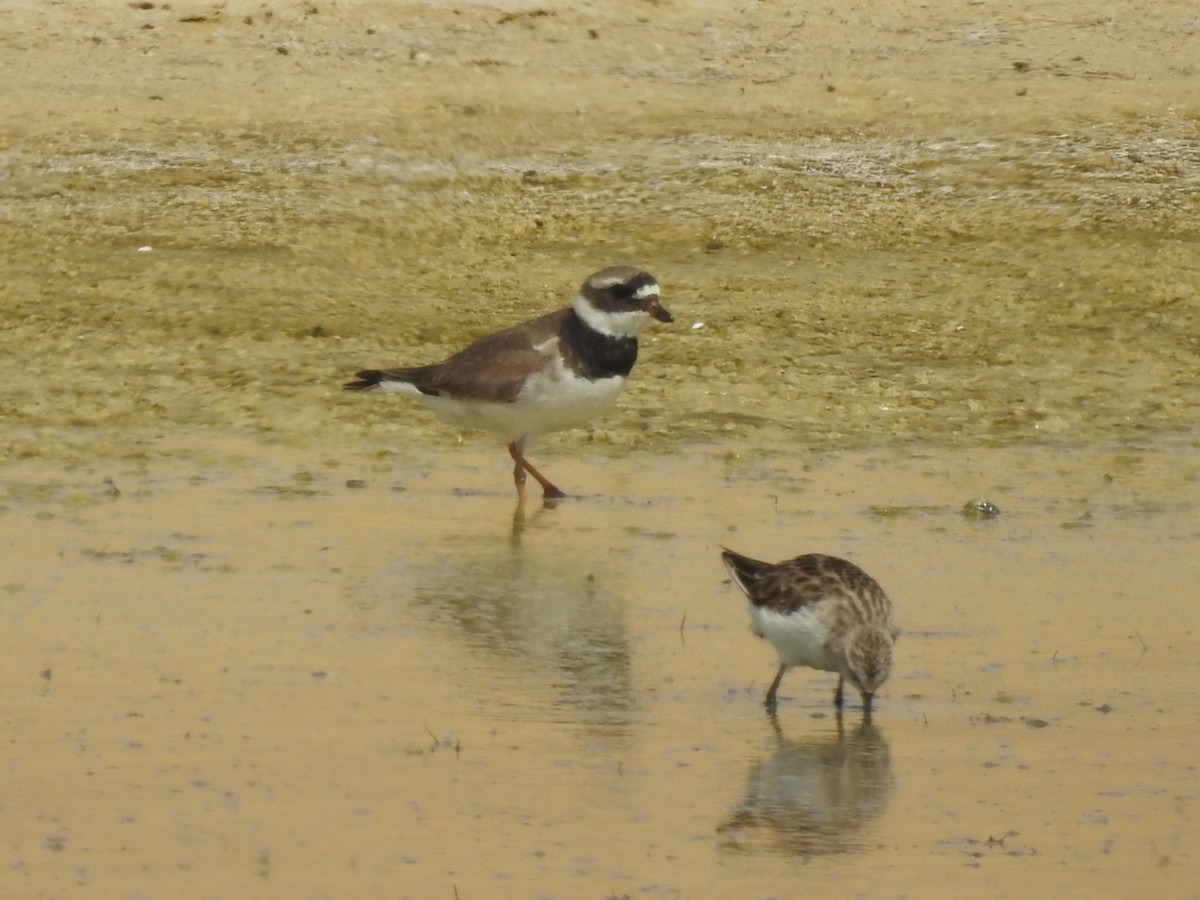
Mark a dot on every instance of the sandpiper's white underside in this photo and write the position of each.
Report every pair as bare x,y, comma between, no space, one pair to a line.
798,637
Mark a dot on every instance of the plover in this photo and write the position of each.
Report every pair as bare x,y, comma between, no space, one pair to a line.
822,612
555,372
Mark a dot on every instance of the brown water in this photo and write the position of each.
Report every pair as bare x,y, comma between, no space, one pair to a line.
260,677
262,636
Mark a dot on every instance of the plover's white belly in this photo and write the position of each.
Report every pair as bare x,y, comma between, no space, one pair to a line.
798,637
553,400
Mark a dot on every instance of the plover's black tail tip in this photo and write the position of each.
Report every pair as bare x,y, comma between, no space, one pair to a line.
367,379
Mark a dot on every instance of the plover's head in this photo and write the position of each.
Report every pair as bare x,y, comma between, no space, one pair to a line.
868,661
619,301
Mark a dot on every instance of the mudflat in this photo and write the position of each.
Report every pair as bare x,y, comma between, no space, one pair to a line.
260,631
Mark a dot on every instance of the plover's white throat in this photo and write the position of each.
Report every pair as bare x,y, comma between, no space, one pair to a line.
555,372
822,612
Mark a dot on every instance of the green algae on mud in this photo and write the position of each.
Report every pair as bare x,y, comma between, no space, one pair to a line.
1010,323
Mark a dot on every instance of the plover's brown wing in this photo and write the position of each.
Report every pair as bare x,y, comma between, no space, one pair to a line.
493,369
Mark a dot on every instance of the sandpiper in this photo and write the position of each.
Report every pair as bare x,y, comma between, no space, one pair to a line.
822,612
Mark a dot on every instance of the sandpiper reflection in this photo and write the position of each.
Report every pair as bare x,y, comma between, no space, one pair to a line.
814,795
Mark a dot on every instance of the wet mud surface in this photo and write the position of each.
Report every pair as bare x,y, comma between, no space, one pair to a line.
329,680
260,631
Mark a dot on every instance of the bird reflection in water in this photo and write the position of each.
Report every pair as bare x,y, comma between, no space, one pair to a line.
540,618
813,796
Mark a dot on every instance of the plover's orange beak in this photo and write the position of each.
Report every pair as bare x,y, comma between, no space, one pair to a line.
659,312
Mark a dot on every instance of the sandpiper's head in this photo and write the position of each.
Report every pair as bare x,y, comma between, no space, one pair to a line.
868,661
619,301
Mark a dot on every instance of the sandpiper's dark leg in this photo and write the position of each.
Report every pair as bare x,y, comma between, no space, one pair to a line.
517,451
838,699
867,698
770,701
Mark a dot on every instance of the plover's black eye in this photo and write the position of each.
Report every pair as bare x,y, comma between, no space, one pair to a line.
624,291
640,287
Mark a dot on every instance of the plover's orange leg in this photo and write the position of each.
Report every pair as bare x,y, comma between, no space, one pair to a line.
517,451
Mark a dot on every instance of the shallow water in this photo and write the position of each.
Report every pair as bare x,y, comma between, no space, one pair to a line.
262,635
273,675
